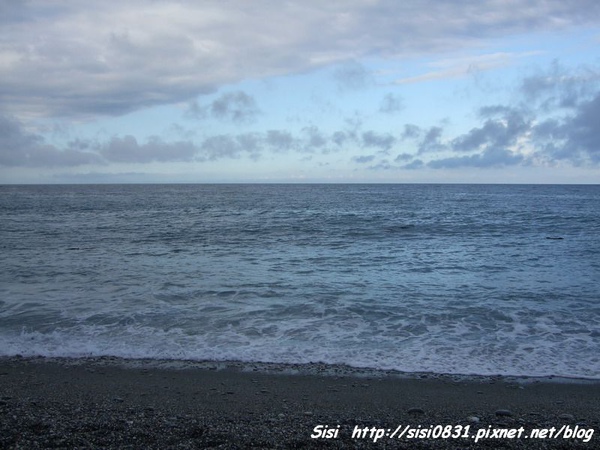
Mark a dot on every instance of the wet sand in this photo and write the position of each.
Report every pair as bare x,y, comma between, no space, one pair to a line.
112,403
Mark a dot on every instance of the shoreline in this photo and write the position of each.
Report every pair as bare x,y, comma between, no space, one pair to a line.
114,403
315,368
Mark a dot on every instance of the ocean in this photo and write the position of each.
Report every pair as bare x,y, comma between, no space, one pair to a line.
453,279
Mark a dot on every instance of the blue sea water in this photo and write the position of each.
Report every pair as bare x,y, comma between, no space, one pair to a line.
418,278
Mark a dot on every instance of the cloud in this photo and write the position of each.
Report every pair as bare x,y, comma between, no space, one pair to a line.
414,165
428,140
559,87
463,66
106,177
574,137
127,150
237,107
411,131
350,134
584,129
556,122
391,104
502,128
340,138
114,57
432,141
352,76
280,141
228,146
21,148
490,157
382,141
315,139
565,104
364,159
404,157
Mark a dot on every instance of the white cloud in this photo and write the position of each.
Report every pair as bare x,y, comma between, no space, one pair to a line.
463,66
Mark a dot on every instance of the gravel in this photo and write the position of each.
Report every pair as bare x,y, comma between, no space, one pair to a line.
110,403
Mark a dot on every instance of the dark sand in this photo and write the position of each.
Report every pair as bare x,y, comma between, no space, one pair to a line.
111,403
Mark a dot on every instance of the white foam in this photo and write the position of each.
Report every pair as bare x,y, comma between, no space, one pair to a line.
355,342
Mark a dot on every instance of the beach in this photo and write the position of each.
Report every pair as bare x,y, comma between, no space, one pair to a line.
115,403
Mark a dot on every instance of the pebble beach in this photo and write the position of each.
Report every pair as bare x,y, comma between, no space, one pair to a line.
114,403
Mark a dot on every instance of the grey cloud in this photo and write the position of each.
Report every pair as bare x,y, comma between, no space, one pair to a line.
584,129
315,139
340,138
106,177
101,58
391,104
252,143
127,149
428,140
196,111
310,140
237,107
559,87
216,147
352,76
364,159
549,129
384,164
403,157
568,102
557,121
574,137
382,141
15,11
500,131
413,165
536,86
410,132
491,157
226,146
351,133
14,143
281,141
432,141
21,148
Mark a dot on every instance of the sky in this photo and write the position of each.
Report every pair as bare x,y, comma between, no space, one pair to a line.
262,91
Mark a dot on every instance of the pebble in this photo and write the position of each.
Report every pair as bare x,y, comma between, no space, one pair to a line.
72,419
569,417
